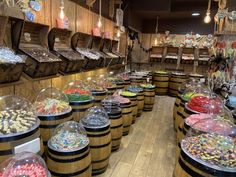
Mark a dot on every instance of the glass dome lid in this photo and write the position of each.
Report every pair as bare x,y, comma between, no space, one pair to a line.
68,137
16,116
78,91
135,88
51,101
95,84
95,117
116,79
111,105
121,99
211,142
24,164
210,103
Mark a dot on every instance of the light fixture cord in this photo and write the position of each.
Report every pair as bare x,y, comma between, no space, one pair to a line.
157,25
209,6
100,9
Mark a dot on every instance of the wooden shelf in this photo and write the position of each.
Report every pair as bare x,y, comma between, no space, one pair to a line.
11,84
27,77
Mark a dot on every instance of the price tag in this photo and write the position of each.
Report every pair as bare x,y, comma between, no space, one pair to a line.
31,146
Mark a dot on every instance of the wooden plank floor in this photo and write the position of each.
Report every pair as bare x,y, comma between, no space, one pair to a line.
149,149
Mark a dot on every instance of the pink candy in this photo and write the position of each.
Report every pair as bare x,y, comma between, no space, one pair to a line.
121,99
195,118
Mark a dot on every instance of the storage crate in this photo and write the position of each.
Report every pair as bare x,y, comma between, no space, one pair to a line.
107,49
33,43
83,42
59,43
10,30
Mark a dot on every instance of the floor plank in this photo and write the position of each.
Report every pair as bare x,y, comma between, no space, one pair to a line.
149,149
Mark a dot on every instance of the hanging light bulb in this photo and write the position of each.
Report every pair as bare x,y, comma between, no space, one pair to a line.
207,18
99,24
155,41
62,13
118,33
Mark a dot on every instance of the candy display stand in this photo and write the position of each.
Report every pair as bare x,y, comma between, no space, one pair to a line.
134,103
97,125
161,81
114,112
68,151
149,96
59,42
20,130
140,97
52,108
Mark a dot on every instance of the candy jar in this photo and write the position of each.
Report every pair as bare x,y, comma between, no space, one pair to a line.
25,164
95,85
112,108
97,125
52,108
140,97
69,142
18,123
80,98
210,143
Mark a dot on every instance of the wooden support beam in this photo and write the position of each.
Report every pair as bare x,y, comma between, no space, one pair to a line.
90,2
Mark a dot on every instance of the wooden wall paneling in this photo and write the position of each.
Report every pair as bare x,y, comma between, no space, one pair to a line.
61,82
146,38
44,15
31,89
70,12
7,90
83,19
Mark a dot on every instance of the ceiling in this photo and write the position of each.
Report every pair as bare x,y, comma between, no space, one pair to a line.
167,9
142,14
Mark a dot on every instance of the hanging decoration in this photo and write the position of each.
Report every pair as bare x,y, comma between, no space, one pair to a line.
207,18
62,20
29,8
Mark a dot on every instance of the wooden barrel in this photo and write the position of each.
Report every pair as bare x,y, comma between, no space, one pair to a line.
49,123
188,167
196,76
9,144
98,97
136,80
100,145
149,99
234,116
116,129
180,115
134,105
176,80
111,90
75,163
127,83
140,99
161,81
120,86
127,117
176,105
79,108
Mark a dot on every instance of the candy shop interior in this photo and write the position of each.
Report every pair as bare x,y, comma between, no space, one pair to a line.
118,88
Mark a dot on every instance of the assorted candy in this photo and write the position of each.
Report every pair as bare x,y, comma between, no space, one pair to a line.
135,88
87,53
68,141
95,120
128,94
8,56
77,95
216,150
26,170
16,121
51,106
148,86
194,118
70,54
203,104
188,95
121,99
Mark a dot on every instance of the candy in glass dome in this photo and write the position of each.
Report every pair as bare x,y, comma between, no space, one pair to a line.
68,137
120,98
209,103
51,101
95,84
25,164
95,117
211,142
135,88
17,115
111,105
77,91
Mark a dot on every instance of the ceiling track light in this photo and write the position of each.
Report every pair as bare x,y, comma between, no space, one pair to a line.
207,18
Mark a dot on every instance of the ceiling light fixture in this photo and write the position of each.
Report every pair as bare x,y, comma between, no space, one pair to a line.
99,24
195,14
62,13
207,18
